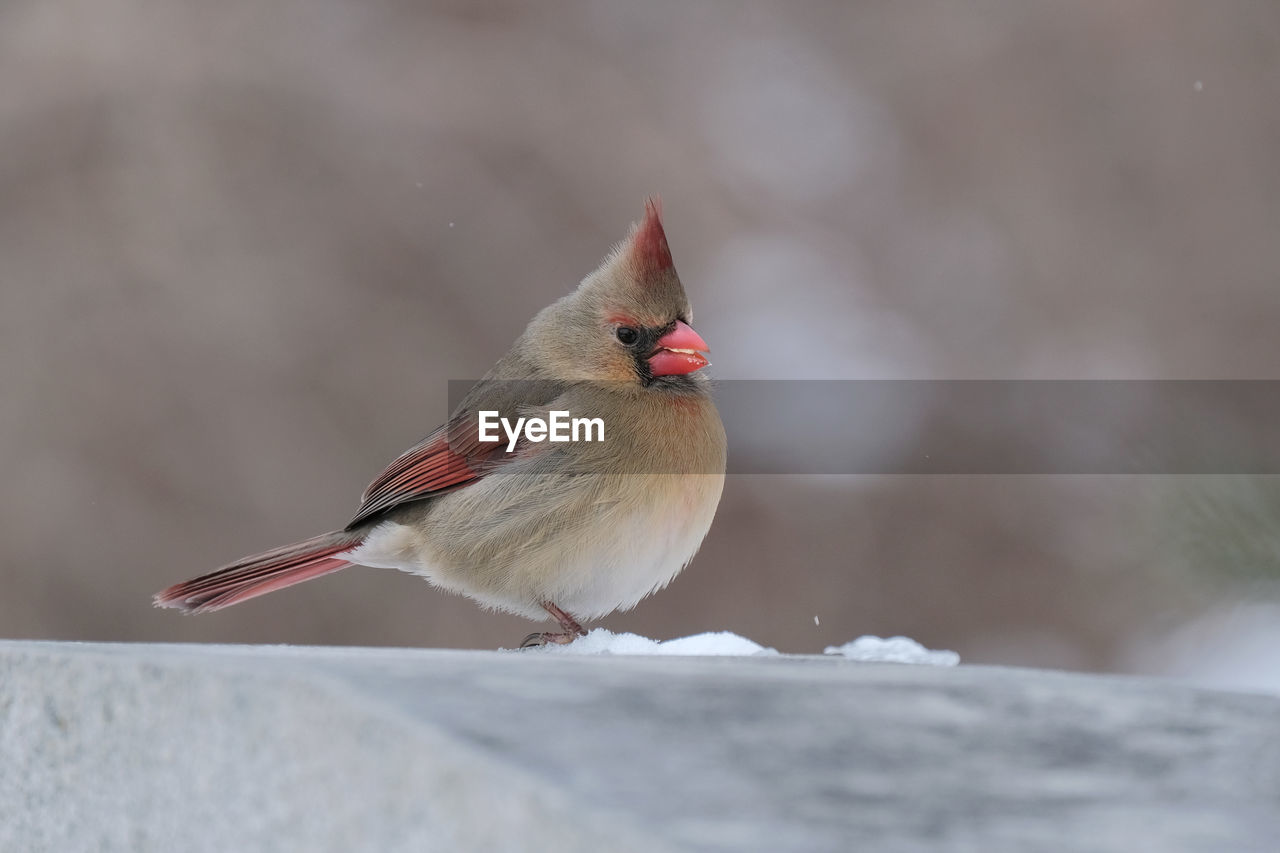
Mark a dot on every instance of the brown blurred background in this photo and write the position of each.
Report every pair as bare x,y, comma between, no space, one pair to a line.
244,247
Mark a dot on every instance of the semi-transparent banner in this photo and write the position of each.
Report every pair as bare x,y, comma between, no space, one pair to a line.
895,426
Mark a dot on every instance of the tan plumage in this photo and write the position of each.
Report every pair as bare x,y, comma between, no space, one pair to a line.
566,529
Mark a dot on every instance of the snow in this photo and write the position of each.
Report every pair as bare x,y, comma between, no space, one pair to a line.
713,643
893,650
726,643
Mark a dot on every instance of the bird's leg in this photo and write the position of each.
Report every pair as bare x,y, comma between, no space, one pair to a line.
572,630
567,622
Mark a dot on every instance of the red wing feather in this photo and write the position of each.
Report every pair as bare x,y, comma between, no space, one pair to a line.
449,458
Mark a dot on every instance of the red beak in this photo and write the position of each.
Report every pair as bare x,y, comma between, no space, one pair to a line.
679,351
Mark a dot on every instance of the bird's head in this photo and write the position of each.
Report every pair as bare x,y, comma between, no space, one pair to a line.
629,321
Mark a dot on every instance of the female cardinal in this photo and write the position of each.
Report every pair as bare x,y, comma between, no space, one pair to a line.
542,527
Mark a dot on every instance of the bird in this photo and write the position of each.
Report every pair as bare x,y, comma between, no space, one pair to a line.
569,531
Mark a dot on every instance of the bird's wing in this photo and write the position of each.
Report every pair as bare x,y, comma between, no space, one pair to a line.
441,462
453,455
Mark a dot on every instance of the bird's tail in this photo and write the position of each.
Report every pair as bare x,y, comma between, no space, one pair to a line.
260,574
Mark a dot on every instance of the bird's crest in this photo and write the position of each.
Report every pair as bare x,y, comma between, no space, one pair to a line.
648,245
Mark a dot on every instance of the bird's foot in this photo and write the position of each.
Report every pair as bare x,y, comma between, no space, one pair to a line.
543,638
572,630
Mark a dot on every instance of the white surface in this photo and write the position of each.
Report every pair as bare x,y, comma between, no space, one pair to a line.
893,650
243,748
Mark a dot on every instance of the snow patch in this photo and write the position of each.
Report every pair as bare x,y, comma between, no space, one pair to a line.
893,650
713,643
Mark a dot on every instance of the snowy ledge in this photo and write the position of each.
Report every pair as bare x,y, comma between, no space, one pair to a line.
145,747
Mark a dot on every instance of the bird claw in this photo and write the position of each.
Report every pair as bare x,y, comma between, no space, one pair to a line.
572,630
539,639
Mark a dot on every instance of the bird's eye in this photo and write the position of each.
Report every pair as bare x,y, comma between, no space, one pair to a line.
627,335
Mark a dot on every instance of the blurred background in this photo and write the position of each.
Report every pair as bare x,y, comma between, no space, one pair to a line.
243,248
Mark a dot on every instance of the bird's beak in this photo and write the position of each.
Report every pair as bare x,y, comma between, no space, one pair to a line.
679,351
